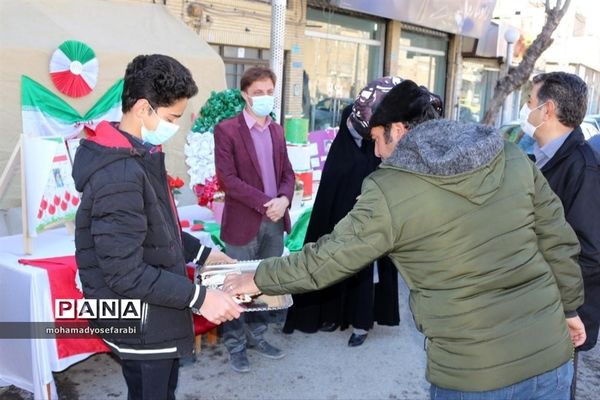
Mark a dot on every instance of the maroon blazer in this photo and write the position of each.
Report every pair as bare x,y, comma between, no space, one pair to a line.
239,176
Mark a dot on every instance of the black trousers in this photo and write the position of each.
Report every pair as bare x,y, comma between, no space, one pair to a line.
151,379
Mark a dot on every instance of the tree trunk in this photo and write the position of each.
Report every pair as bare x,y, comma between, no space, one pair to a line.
518,75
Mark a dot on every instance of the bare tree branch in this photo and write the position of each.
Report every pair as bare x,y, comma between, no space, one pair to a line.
519,75
565,6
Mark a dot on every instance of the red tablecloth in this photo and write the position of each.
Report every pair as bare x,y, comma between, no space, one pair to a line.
61,275
201,324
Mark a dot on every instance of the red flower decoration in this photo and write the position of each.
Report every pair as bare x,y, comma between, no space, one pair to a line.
206,193
174,182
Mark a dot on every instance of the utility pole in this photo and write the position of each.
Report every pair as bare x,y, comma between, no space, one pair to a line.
511,36
277,44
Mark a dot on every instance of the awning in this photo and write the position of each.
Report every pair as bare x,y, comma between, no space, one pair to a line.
461,17
493,44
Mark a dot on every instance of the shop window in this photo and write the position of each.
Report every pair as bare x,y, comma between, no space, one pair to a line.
239,59
477,88
342,54
423,59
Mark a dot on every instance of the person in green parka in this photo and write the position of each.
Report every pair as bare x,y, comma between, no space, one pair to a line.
482,243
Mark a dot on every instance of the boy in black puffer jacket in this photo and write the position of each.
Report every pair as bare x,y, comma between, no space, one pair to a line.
129,244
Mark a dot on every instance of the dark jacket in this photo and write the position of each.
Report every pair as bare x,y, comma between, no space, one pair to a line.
481,241
355,301
129,244
239,175
574,175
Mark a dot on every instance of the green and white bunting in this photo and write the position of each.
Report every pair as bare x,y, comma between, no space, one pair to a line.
46,114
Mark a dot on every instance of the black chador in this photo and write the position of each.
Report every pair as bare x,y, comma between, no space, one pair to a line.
355,301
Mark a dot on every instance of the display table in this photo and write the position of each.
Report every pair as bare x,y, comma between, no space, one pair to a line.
295,213
25,297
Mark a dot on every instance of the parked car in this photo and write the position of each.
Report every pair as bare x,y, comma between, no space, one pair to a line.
595,119
589,128
513,133
328,111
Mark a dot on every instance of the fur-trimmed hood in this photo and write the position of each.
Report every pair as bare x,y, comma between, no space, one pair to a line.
466,159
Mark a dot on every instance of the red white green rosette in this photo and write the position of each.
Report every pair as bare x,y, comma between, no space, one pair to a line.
74,68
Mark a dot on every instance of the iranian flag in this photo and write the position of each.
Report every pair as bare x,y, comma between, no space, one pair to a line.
46,114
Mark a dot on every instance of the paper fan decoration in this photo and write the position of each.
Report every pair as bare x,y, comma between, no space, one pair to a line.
74,68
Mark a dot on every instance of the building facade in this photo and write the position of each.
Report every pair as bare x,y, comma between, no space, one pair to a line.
575,49
333,48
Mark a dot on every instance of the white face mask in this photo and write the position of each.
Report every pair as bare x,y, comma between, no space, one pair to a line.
527,127
163,132
262,105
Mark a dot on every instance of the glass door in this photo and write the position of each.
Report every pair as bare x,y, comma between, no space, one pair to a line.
423,58
342,54
477,88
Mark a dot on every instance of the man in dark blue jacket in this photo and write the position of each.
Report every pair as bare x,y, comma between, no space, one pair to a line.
594,141
129,244
555,109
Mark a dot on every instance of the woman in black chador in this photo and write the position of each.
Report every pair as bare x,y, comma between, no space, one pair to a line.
372,294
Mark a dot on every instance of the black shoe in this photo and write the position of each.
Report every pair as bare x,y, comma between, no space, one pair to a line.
268,350
187,360
356,340
328,327
239,362
287,330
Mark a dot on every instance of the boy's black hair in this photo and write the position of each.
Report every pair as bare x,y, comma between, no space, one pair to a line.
160,79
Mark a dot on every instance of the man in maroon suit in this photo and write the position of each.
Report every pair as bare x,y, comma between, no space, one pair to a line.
256,175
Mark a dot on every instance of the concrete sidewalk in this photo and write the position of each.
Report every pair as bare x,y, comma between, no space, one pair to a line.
389,365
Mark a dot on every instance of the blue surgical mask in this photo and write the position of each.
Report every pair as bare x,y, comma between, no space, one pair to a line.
262,105
163,132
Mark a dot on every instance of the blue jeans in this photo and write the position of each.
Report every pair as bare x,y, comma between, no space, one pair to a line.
552,385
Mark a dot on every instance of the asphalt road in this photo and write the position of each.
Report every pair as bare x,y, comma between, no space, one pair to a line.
389,365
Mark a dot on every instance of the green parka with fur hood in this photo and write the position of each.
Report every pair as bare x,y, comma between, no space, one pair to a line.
482,243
